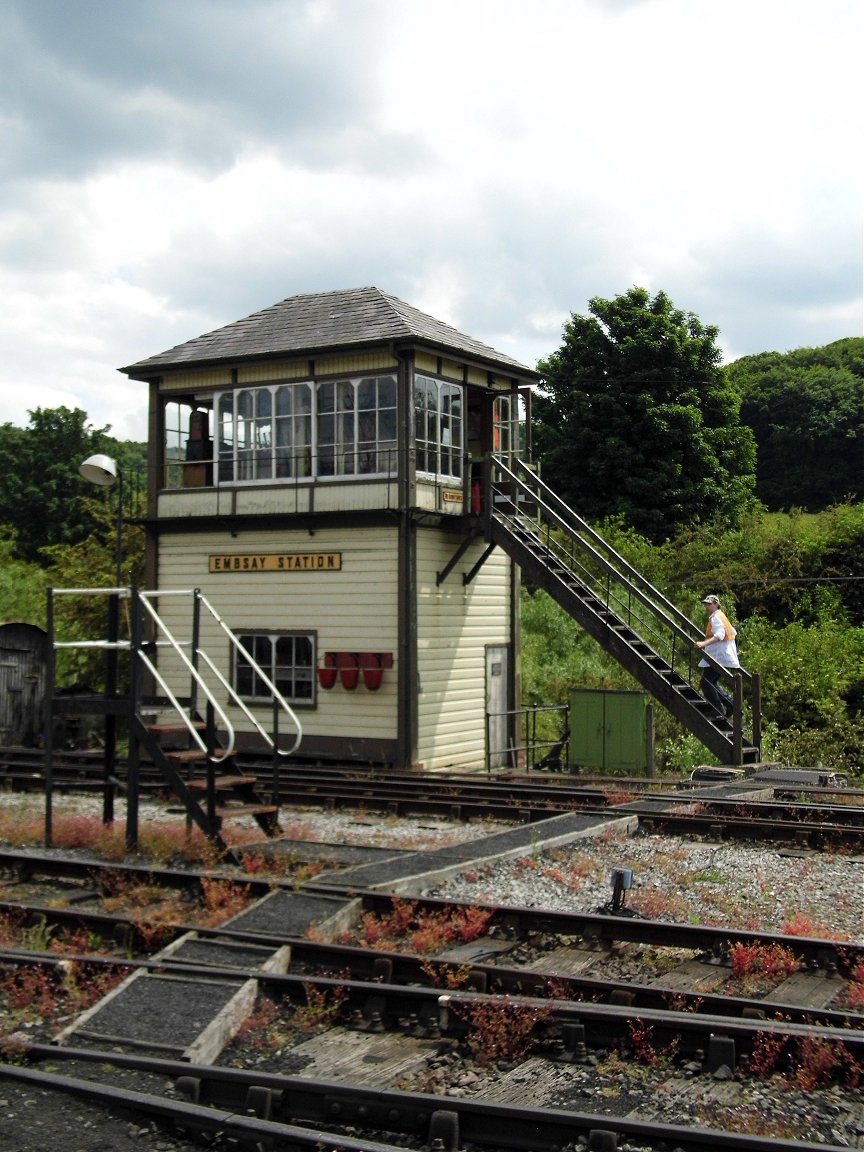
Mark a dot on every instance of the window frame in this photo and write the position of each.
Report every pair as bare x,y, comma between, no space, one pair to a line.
334,408
272,666
439,428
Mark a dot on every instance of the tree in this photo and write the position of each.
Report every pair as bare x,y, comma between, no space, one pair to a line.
806,409
41,489
636,419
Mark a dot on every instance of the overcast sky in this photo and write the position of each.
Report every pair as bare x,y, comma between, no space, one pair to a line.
170,166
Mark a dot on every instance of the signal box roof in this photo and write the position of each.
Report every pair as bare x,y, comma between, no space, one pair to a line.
325,321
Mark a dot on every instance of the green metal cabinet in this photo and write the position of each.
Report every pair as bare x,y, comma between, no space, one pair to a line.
611,729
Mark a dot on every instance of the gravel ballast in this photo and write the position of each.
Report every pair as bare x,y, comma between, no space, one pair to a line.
752,887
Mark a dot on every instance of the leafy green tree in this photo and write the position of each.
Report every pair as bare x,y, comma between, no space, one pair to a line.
637,420
22,588
41,491
806,409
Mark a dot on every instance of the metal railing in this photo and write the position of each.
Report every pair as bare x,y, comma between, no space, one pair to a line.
536,749
193,668
191,655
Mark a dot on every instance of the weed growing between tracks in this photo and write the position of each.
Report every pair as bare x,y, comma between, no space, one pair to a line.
502,1031
275,1026
807,1063
751,962
47,995
405,929
855,990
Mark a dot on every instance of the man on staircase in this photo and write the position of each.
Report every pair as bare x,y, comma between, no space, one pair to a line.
720,640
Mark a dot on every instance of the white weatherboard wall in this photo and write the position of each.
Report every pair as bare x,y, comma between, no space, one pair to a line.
353,609
455,622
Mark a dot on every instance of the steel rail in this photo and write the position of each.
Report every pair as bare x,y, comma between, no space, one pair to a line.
403,982
189,1115
453,1121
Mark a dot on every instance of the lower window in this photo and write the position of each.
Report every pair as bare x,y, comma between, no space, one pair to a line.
288,658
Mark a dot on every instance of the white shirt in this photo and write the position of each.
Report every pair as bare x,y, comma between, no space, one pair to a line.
724,651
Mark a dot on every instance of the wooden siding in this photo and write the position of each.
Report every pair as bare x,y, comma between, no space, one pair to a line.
268,373
454,625
459,371
348,365
304,496
353,610
196,381
286,498
425,362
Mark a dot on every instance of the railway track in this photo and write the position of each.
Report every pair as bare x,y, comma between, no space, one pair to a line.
404,1011
829,819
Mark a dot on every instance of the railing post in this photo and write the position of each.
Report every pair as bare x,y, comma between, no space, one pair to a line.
737,718
196,640
134,758
50,688
211,769
109,753
488,483
756,711
274,791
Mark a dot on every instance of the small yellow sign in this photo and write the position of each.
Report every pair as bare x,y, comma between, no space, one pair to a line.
450,496
276,562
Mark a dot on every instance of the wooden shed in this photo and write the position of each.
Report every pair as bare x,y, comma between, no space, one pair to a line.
316,471
23,654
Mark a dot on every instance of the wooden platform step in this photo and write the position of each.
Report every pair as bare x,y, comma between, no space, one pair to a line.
188,755
222,783
161,729
232,811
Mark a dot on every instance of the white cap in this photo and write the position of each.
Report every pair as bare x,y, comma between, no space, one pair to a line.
711,599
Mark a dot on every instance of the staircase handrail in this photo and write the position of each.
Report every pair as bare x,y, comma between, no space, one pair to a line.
145,598
236,700
181,711
259,672
663,610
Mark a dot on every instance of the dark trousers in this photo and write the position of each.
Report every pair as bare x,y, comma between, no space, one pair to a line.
712,691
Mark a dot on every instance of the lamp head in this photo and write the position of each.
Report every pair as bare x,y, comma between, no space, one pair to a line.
99,469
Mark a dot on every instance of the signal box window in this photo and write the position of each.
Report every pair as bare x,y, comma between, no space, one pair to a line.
288,658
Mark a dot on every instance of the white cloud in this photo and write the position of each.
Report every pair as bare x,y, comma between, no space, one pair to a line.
170,168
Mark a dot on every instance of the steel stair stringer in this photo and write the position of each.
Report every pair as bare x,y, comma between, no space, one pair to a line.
144,735
561,554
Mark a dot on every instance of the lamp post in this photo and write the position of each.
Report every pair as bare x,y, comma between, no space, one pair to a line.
104,471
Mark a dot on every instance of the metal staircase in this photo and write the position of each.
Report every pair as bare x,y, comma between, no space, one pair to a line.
188,737
644,632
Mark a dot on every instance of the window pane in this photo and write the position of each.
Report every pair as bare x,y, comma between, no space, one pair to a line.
386,391
326,397
345,395
367,395
284,401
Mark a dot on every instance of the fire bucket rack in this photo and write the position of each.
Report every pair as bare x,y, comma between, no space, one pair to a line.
349,667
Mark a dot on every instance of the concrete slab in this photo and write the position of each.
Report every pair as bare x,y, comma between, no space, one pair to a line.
405,873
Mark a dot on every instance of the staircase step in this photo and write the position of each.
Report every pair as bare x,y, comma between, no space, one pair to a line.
176,726
231,811
222,783
184,755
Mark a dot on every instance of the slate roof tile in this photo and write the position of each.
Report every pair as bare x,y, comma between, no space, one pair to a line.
313,322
